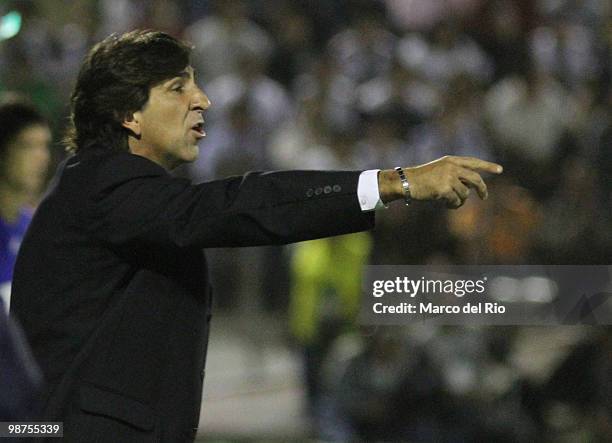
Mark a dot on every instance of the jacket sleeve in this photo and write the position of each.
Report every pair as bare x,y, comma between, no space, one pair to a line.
135,201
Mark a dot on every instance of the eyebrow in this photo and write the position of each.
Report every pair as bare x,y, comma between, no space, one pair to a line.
185,74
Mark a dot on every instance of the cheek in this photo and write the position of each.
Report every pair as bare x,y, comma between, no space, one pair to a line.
32,163
156,132
14,165
16,170
26,166
40,159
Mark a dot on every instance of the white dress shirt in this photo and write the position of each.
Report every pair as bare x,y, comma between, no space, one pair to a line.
368,192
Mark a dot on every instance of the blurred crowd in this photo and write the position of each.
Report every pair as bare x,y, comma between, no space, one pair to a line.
361,84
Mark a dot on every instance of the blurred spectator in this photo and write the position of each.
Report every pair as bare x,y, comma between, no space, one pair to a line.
577,399
566,50
293,31
222,38
402,91
584,237
363,50
458,129
324,302
302,141
119,16
325,109
501,30
528,117
391,391
383,140
448,54
165,16
43,59
24,161
416,15
333,91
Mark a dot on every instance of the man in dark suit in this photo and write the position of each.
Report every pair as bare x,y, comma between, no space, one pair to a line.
111,284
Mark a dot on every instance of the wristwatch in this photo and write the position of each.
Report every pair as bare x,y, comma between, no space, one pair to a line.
405,186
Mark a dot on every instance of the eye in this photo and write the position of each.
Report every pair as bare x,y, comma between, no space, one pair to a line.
178,88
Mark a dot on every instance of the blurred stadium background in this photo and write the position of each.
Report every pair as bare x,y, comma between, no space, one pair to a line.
353,84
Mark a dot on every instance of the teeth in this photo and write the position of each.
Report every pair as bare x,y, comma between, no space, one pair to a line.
199,128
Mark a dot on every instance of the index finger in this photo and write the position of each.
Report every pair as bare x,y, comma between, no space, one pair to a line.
474,180
478,164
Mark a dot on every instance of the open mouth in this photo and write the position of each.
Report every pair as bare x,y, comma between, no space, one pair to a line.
198,128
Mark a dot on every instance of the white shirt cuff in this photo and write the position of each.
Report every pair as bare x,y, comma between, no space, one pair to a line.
367,191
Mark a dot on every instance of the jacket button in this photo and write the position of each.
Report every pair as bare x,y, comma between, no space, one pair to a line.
309,193
327,189
202,374
318,191
337,188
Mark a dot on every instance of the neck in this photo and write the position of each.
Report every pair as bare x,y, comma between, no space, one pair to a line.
11,201
146,152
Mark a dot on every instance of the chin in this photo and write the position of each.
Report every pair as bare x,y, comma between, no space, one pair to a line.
192,154
189,155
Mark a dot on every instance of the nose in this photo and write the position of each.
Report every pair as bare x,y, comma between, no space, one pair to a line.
201,100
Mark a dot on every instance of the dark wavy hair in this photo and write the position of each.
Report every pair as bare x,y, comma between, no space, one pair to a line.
16,114
114,81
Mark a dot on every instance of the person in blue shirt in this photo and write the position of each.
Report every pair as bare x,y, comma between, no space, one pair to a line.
24,161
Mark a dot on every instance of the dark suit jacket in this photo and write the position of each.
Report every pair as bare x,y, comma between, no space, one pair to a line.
112,290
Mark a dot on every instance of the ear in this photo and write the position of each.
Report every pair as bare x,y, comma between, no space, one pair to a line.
132,123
